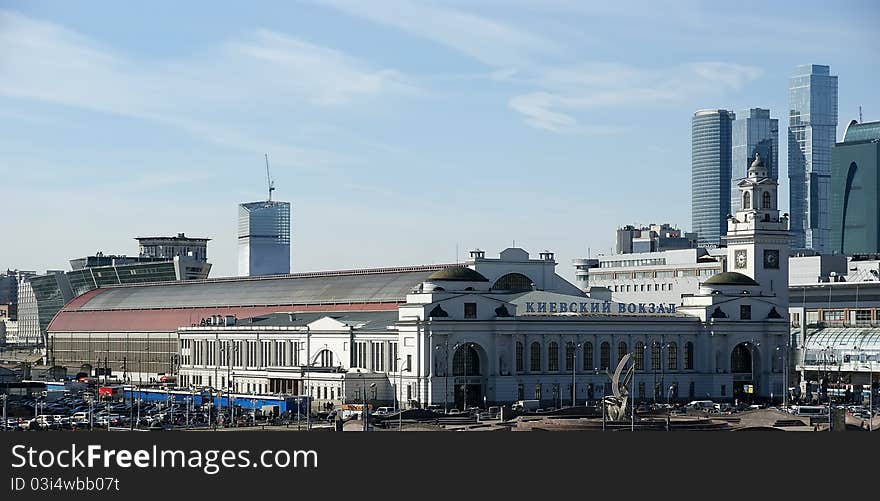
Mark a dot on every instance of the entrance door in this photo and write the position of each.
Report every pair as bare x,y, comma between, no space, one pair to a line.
472,392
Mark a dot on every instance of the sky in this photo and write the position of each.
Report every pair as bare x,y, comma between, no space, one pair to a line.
402,132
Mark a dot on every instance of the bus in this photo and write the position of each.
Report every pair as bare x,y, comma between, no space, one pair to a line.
810,410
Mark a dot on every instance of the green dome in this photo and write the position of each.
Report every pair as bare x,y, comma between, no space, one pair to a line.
457,274
730,278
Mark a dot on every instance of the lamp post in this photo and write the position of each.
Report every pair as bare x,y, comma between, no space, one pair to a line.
573,373
784,350
399,368
752,344
445,377
4,397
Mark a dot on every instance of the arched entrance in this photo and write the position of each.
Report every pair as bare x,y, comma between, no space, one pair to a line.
744,368
467,369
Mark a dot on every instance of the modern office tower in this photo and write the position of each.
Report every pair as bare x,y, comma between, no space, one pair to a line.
171,247
710,174
811,135
753,132
263,238
855,190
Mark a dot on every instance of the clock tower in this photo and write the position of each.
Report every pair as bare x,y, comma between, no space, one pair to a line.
757,238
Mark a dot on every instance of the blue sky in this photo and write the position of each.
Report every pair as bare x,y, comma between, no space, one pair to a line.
398,129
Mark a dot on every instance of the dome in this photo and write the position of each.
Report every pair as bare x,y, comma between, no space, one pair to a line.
730,278
457,274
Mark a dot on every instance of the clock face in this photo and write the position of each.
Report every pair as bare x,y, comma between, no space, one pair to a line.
741,259
771,259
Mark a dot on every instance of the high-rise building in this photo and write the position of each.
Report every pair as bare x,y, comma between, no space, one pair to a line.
811,134
753,132
855,190
264,238
710,174
171,247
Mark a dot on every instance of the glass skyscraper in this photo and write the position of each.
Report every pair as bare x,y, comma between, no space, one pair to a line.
263,238
753,132
710,174
811,134
855,191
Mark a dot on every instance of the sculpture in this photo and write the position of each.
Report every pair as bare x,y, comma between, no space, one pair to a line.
615,405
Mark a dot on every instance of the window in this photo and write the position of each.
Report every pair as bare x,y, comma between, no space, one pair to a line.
569,356
691,390
672,356
605,356
326,357
655,356
513,282
535,357
747,200
863,317
359,354
377,350
588,357
745,312
621,351
832,316
470,310
553,356
765,200
392,356
519,357
689,356
520,392
640,357
723,390
408,366
538,391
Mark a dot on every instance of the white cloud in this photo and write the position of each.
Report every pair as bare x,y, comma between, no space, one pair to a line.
217,95
490,41
592,86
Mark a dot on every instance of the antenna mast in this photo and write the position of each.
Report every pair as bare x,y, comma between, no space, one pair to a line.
860,113
269,179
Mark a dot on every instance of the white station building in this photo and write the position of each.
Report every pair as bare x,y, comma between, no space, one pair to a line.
483,332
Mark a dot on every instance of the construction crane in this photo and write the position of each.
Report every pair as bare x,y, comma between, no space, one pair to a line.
269,179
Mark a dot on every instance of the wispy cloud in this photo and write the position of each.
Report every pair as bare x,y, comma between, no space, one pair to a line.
592,86
254,77
490,41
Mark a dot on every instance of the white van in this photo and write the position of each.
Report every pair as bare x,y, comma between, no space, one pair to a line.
701,405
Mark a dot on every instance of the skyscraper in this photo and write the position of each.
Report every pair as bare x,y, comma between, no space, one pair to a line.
263,238
811,133
710,174
753,132
855,190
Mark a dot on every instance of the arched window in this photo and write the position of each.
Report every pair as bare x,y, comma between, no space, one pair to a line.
466,361
621,351
588,357
569,356
747,200
513,282
604,355
655,356
741,359
325,358
765,200
689,356
640,356
553,356
672,357
519,356
535,362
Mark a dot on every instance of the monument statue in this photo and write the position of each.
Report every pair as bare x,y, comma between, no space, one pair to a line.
615,405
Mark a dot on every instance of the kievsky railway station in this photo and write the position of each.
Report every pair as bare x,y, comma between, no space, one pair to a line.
490,330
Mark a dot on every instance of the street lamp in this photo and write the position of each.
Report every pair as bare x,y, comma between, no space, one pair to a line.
445,377
752,344
399,368
573,372
4,397
784,350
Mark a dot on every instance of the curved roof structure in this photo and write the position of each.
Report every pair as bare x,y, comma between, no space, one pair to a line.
845,338
868,131
458,274
730,278
167,306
